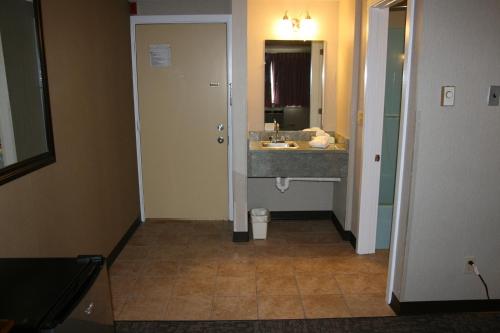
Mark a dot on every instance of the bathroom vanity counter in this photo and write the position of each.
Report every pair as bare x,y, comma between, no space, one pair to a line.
303,161
303,147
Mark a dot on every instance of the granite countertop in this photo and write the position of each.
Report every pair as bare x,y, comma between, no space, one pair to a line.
303,147
303,161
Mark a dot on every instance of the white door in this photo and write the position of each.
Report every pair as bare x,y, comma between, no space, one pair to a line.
182,99
373,122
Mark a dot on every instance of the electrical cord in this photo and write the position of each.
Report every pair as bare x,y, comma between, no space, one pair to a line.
476,271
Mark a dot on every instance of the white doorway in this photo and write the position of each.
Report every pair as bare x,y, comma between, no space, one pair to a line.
372,131
392,116
181,77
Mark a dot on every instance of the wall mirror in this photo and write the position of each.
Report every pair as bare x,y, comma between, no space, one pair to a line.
294,81
26,142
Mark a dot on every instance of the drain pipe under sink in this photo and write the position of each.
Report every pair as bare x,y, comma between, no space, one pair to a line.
283,183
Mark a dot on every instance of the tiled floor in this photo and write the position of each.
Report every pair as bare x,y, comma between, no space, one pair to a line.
172,270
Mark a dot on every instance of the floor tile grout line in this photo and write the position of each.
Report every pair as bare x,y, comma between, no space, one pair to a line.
300,296
257,291
123,305
346,304
257,294
212,307
171,294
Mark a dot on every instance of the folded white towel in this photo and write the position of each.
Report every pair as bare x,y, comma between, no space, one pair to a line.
320,141
268,127
322,133
319,131
312,129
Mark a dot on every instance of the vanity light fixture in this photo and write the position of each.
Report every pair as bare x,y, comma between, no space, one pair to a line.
294,25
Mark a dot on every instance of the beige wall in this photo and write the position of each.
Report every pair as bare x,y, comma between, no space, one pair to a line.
86,201
263,17
347,24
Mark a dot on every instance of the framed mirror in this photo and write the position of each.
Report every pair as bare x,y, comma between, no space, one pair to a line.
294,81
26,141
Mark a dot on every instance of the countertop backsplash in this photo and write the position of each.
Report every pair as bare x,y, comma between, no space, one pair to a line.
294,136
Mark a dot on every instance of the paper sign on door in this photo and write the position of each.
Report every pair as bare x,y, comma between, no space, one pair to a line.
160,55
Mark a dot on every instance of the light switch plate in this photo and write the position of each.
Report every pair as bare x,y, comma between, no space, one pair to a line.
447,95
494,96
361,118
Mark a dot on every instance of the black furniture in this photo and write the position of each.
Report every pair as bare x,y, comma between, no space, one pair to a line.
56,294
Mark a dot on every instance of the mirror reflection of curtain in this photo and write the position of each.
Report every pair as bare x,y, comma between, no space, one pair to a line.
291,74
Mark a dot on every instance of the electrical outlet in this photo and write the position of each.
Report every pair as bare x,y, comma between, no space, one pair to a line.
468,268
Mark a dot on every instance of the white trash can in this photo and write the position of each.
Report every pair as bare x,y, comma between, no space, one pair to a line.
259,218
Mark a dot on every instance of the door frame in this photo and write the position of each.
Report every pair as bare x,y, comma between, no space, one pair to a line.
374,95
183,19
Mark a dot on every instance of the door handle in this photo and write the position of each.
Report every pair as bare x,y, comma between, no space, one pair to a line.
220,139
377,158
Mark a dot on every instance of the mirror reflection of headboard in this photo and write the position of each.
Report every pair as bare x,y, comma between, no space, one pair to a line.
26,142
293,83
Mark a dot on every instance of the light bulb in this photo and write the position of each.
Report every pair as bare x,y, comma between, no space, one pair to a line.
285,27
307,27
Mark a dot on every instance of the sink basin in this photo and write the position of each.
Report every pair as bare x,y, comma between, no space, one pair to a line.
280,145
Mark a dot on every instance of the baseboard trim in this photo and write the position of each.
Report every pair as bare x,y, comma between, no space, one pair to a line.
346,235
241,236
122,242
424,307
301,215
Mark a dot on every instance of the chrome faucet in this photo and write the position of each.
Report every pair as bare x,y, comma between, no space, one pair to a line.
276,132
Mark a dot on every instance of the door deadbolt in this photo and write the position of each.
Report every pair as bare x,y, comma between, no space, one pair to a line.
220,139
220,127
377,158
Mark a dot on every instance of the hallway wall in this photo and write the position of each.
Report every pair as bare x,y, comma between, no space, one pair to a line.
84,203
454,209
